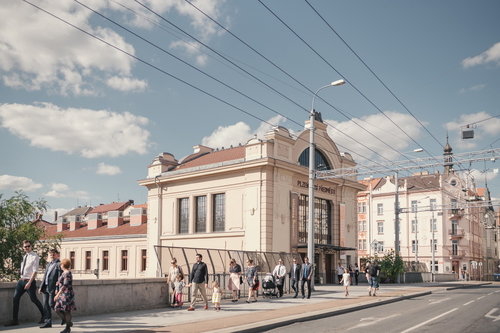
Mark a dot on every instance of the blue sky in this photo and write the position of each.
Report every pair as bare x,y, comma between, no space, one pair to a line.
80,120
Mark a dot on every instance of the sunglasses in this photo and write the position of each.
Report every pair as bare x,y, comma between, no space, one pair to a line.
27,246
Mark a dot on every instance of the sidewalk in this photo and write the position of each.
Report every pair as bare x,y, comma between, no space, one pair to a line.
240,316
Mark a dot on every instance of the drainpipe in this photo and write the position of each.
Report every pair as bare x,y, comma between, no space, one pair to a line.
158,227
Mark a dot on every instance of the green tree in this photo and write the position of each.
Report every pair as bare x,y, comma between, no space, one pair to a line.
16,224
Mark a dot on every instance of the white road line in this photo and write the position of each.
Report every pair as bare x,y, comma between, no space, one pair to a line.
428,321
439,301
480,297
469,302
490,293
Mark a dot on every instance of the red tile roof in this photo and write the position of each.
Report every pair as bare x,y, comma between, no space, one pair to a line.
110,207
215,157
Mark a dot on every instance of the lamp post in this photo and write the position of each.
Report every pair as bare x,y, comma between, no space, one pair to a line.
312,152
416,231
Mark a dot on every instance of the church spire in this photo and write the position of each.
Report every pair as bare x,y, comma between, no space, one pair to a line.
448,157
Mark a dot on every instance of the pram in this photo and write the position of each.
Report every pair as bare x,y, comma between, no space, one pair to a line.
269,286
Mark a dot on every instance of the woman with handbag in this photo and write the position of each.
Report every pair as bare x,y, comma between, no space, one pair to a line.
234,279
252,280
172,276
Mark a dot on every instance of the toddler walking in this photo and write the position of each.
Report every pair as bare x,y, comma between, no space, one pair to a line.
216,296
179,284
346,278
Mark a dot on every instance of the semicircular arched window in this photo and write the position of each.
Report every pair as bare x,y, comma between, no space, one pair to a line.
320,161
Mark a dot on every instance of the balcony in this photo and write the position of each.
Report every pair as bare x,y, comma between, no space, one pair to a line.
456,212
456,233
458,254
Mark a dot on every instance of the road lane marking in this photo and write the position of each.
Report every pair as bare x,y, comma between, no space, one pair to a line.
480,297
490,293
439,301
428,321
370,320
469,302
490,316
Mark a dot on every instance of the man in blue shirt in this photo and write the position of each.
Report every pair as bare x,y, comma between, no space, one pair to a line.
199,274
306,274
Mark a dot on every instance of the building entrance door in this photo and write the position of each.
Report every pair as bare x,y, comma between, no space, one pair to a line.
328,268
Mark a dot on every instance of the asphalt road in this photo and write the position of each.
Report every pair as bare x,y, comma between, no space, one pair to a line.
474,309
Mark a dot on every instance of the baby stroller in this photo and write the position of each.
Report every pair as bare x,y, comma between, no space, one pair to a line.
269,286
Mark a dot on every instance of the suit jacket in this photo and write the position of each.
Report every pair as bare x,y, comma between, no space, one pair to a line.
295,276
310,270
53,277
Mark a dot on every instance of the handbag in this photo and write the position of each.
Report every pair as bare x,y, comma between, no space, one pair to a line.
241,280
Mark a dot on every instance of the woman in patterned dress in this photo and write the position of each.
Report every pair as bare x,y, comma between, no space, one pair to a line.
65,297
253,283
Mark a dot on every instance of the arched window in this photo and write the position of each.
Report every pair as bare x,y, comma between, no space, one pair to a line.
320,161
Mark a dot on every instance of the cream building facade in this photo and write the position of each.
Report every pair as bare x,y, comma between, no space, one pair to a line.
254,198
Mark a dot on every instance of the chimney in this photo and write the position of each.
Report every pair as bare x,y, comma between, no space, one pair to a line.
74,222
94,221
138,216
62,224
55,216
115,218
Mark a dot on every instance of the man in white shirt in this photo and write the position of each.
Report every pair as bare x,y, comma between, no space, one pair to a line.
279,275
340,271
29,268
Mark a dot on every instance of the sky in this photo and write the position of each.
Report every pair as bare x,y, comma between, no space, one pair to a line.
92,90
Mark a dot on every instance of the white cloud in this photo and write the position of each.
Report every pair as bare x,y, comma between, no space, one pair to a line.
238,133
490,55
88,132
60,187
104,169
381,128
484,124
126,84
63,191
8,182
479,176
45,53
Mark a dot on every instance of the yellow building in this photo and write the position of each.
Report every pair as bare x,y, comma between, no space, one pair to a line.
254,197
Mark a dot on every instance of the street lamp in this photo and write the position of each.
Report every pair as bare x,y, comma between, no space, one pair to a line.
312,152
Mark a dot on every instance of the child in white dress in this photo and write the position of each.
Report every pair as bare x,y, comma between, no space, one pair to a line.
216,296
346,278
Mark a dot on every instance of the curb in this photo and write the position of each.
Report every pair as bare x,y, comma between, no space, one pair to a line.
468,286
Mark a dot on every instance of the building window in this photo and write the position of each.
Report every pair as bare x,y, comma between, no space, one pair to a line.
433,225
434,242
414,225
320,160
201,214
380,247
88,260
454,227
322,220
413,246
144,260
454,203
105,260
362,207
360,244
219,212
454,247
364,244
124,261
414,205
380,209
380,227
362,226
72,259
432,203
184,215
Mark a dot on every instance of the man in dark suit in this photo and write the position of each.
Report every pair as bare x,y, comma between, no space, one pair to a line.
295,276
306,274
48,287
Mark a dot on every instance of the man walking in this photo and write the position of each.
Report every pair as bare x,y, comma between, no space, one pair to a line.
305,276
295,276
198,276
27,283
373,270
279,274
48,287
